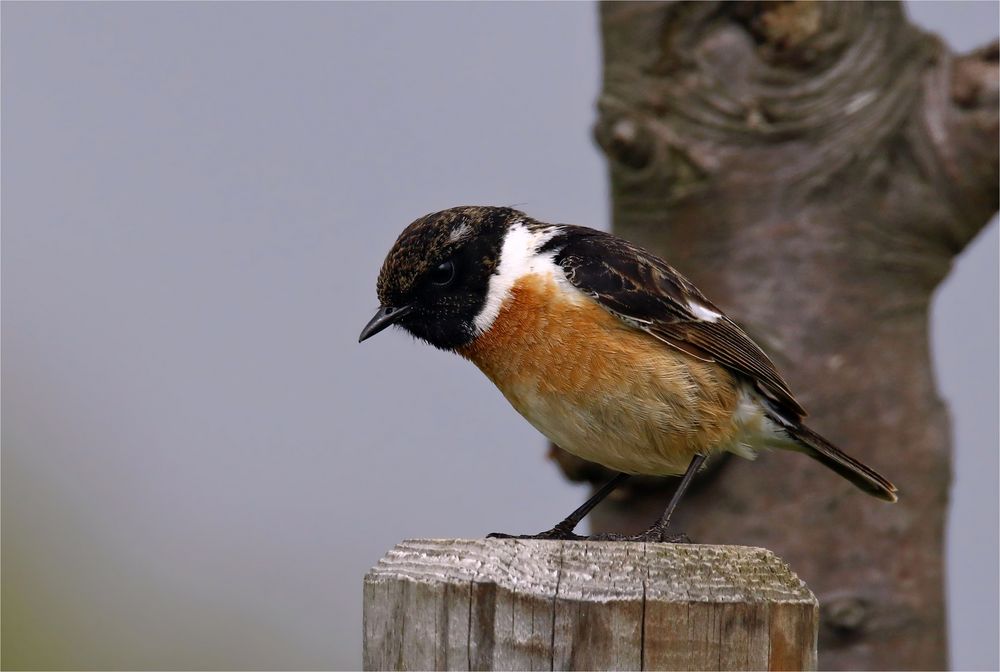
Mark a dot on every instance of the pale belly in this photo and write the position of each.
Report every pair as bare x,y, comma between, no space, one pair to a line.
654,434
609,393
618,432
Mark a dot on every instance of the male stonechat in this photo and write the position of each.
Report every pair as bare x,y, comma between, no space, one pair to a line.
603,347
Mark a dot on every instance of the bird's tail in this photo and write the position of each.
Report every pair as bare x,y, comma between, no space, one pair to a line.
861,475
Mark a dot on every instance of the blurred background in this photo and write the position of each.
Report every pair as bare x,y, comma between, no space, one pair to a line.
199,461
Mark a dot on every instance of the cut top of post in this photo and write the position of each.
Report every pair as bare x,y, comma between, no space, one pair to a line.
524,604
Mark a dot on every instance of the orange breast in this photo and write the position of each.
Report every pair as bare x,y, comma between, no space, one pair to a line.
601,389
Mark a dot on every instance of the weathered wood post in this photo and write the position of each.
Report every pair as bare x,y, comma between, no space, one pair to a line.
506,604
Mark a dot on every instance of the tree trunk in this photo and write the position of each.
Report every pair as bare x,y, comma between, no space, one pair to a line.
813,168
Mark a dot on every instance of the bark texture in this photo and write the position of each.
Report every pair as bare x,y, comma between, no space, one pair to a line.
814,168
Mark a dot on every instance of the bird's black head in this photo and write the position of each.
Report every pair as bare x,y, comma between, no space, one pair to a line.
436,277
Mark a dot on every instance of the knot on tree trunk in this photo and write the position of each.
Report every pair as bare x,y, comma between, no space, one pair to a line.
788,100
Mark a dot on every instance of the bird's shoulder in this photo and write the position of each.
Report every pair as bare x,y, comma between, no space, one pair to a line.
648,294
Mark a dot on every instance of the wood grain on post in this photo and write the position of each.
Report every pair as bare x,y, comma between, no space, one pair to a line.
503,604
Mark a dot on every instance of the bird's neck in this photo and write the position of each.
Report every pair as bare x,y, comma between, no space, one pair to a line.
538,333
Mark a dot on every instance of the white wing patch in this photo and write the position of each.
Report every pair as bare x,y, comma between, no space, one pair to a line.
703,312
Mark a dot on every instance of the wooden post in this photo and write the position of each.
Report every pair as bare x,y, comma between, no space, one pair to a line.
507,604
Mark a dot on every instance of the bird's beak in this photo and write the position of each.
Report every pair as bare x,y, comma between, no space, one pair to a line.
385,317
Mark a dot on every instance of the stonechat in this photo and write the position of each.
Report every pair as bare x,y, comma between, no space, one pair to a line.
603,347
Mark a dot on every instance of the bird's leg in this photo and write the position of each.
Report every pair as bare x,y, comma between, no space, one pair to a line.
564,529
658,532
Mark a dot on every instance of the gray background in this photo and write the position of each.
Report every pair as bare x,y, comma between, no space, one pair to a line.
199,461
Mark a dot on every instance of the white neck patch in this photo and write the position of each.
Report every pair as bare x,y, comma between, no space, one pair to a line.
519,257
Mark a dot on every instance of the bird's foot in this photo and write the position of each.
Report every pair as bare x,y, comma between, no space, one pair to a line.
653,534
557,533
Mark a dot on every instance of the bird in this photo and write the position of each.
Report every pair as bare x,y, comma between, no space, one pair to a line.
602,346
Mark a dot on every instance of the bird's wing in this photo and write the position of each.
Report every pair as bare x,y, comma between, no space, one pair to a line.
646,293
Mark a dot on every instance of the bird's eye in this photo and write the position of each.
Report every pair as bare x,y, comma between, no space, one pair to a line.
443,274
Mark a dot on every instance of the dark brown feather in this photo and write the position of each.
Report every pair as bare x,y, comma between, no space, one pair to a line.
647,293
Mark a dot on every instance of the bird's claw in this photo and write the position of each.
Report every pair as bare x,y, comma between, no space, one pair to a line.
555,534
652,535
